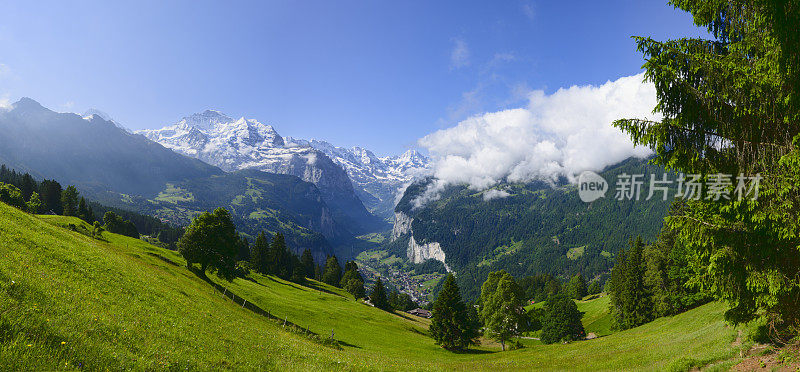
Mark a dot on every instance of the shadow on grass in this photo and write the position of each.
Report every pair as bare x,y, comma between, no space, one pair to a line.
287,325
318,287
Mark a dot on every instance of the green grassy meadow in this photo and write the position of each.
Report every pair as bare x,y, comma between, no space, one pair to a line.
69,301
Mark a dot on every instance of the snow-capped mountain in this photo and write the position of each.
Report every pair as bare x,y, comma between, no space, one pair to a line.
378,180
235,144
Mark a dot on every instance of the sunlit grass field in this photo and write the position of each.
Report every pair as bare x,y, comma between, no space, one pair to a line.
69,301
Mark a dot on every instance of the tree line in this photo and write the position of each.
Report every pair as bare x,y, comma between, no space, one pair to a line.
213,242
21,190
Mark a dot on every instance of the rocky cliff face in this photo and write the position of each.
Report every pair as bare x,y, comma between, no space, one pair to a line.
416,253
235,144
377,180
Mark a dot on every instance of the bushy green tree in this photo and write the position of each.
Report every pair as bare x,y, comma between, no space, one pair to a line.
211,241
577,287
453,326
355,286
34,204
11,195
352,281
730,105
501,307
561,320
332,273
69,201
378,296
97,230
594,287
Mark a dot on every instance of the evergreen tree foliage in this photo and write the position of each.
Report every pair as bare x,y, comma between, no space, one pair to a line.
115,224
378,296
260,254
453,326
333,272
501,307
307,260
298,275
211,241
730,105
631,302
279,260
561,320
69,201
83,211
50,193
27,186
243,253
577,287
354,286
594,287
34,204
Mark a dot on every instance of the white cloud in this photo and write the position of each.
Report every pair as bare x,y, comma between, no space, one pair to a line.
5,102
495,194
432,193
560,134
459,56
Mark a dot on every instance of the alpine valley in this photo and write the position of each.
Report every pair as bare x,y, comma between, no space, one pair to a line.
329,199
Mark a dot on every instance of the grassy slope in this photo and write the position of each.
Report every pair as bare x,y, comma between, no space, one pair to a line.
114,304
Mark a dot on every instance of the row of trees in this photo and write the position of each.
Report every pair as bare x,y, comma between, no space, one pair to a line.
651,281
24,192
500,315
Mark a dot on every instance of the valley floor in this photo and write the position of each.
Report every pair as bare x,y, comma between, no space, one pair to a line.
69,301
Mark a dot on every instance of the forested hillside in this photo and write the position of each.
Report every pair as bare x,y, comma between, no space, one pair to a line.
536,229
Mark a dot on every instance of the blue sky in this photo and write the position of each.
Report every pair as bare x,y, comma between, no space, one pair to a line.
377,74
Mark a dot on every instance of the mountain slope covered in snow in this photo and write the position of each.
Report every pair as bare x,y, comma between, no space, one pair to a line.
379,181
236,144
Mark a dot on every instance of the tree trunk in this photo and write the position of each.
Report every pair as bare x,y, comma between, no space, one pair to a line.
503,344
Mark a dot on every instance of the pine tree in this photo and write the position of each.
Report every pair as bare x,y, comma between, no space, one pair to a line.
730,105
260,254
298,275
594,288
307,260
577,287
452,327
69,201
631,303
378,296
83,212
278,262
50,193
333,272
